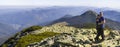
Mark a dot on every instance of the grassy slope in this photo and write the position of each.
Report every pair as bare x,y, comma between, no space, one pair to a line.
31,38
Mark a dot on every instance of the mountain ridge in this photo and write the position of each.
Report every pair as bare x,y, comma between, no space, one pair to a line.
87,17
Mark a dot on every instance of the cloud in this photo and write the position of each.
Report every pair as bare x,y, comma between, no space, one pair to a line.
96,3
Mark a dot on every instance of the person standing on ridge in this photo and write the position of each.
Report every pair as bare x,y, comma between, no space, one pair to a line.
100,21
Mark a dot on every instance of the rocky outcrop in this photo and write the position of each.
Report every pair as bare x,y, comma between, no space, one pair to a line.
77,38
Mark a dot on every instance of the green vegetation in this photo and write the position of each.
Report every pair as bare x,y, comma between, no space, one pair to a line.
31,38
32,28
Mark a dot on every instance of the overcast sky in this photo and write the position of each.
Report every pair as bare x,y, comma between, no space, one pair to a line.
94,3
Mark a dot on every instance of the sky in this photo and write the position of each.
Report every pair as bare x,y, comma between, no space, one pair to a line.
93,3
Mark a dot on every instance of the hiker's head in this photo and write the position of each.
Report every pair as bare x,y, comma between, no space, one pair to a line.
98,16
101,14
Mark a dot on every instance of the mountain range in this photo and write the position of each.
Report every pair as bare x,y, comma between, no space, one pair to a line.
15,19
74,31
40,15
112,14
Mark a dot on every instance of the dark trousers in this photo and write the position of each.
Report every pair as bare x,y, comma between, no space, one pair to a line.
100,32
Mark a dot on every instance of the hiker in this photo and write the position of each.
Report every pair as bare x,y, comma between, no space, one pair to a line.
100,21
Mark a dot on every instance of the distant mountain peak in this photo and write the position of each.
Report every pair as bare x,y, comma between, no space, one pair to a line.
67,16
87,17
89,12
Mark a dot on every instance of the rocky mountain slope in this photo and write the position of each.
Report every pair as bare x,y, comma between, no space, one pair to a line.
76,37
68,36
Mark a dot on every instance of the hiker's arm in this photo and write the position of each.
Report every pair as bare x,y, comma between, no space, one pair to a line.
102,22
97,20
